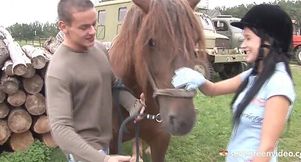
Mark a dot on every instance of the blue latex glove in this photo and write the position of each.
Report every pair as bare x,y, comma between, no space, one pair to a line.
188,78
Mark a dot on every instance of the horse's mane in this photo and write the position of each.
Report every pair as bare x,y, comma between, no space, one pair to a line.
174,16
123,44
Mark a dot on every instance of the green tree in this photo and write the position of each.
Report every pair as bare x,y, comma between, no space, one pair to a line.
50,29
291,7
16,31
33,30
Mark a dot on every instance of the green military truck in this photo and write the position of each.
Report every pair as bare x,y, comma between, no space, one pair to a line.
110,17
222,24
226,61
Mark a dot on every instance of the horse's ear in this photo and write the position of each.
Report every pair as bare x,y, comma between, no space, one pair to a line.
143,4
193,3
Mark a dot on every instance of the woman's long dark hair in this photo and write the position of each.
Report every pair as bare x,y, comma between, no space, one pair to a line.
275,55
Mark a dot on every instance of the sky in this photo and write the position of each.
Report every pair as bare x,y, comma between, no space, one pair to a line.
230,3
27,11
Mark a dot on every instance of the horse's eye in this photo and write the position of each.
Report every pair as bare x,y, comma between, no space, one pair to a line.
151,43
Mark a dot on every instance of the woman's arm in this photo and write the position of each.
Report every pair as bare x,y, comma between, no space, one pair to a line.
190,79
276,110
222,87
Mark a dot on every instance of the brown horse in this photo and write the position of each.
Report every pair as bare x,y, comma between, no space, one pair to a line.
158,37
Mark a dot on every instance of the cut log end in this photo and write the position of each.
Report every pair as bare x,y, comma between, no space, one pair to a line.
17,99
2,96
4,54
33,85
20,69
48,140
4,110
21,141
30,72
4,132
19,120
39,62
41,125
10,85
35,104
8,68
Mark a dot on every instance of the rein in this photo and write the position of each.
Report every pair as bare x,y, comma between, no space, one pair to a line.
157,118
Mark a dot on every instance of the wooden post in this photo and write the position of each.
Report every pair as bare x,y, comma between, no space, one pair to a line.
4,55
4,110
36,55
2,96
47,54
8,68
16,55
51,45
30,72
42,72
10,85
41,125
38,58
48,140
17,99
35,104
21,141
19,120
33,85
4,132
15,52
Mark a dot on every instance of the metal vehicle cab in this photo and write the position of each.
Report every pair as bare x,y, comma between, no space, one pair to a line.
110,17
222,24
225,57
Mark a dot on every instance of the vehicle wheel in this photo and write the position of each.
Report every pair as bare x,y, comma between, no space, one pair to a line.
245,66
208,71
298,55
232,69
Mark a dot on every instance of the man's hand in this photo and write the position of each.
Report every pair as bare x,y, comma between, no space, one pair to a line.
138,108
188,78
119,158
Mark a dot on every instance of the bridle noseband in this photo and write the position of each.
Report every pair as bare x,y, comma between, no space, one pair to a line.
170,92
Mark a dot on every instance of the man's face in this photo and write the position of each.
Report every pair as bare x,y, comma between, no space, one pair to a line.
80,34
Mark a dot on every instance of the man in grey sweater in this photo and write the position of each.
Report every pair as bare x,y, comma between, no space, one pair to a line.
79,83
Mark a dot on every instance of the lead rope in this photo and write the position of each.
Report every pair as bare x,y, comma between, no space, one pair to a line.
157,118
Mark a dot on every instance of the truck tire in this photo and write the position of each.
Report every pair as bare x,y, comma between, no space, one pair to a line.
298,55
232,69
208,72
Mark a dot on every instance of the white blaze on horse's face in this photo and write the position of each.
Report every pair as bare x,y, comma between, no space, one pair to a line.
168,43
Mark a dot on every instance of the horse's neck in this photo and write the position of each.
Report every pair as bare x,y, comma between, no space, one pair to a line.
130,81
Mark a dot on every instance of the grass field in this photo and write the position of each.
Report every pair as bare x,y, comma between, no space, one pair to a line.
212,131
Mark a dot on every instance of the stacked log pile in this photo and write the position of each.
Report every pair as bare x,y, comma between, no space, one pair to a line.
23,115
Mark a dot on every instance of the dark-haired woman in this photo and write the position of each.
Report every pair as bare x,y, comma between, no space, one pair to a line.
264,94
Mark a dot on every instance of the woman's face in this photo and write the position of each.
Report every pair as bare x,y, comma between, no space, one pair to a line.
250,44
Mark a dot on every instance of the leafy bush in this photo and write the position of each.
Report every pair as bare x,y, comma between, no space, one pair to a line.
37,152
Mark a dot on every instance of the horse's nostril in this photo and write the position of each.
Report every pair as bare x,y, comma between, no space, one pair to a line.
172,119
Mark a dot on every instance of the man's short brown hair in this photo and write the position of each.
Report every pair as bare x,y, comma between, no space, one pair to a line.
66,7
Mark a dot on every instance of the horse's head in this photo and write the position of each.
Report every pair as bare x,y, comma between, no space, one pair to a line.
164,36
